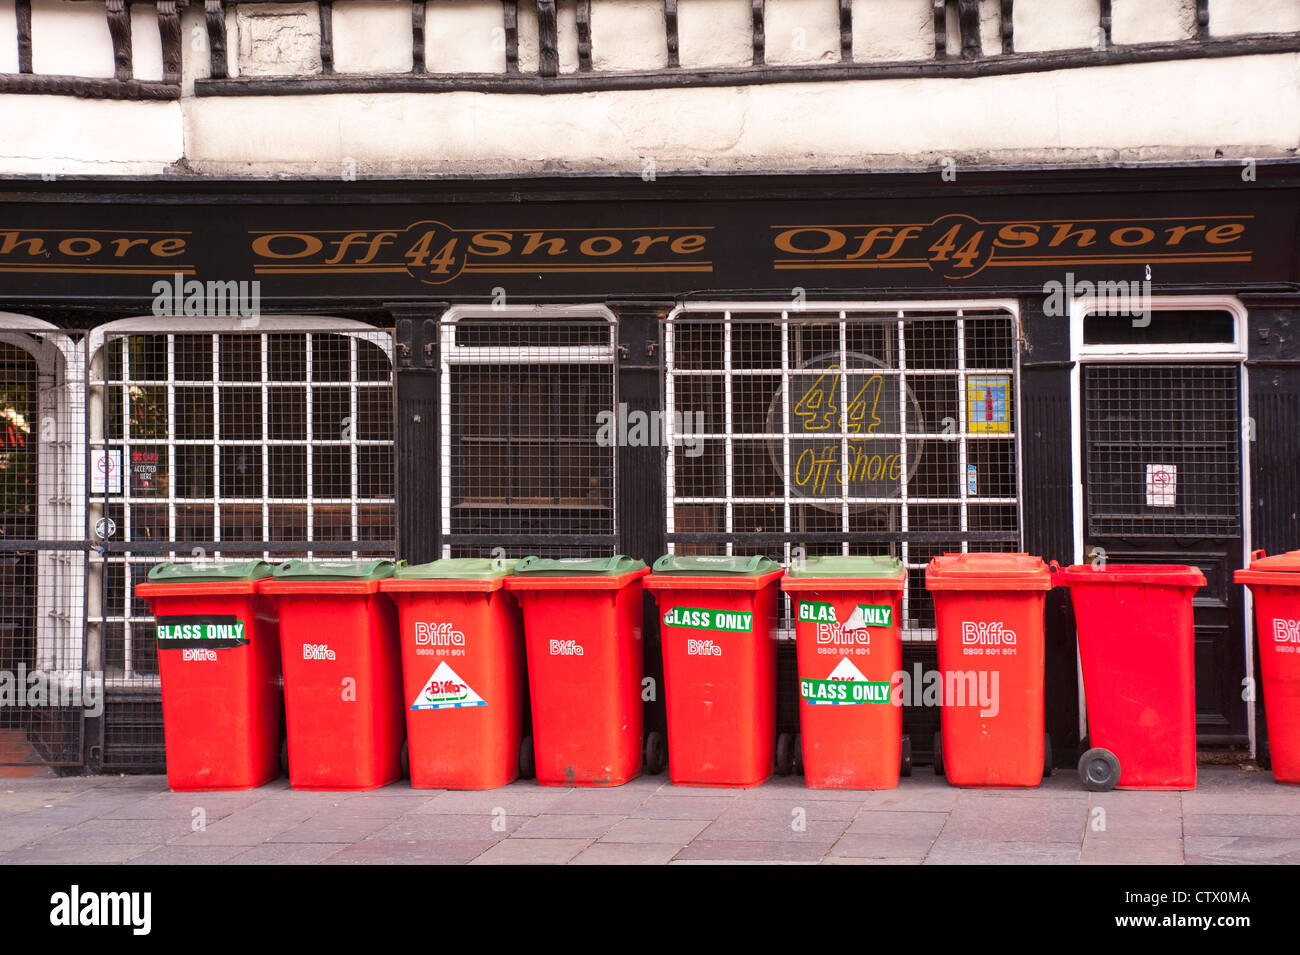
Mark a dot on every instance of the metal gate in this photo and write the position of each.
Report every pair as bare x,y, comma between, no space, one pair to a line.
45,691
270,443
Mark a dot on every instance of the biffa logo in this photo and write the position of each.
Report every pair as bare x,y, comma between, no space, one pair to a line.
986,634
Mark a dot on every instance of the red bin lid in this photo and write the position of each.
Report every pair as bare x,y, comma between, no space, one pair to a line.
1165,575
987,571
1280,569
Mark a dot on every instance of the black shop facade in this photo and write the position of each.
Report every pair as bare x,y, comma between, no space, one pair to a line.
1079,363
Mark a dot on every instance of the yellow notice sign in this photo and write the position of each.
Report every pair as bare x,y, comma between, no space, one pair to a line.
988,404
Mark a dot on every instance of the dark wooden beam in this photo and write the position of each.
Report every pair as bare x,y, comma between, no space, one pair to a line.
846,31
215,14
326,8
510,24
548,41
968,19
758,34
1006,22
23,12
1104,21
88,87
1015,63
417,37
583,15
1202,19
670,28
169,29
939,10
119,29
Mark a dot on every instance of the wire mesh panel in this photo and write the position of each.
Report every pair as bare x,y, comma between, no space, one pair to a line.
230,446
529,435
859,430
45,689
1163,450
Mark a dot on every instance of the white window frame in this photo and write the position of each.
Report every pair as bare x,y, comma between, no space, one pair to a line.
451,355
956,308
1222,352
263,325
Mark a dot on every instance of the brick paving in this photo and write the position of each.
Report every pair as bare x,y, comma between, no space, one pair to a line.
1235,816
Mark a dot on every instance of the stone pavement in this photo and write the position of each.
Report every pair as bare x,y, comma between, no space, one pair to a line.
1234,816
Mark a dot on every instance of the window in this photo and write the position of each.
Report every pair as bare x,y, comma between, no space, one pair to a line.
232,446
865,429
524,469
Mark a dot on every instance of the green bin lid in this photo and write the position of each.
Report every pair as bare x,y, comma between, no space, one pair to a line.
837,565
577,566
209,571
376,569
675,565
457,568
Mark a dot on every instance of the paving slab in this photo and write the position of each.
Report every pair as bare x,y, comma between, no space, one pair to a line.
517,851
626,853
676,832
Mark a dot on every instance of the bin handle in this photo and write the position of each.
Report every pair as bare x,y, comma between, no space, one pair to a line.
1256,554
1055,569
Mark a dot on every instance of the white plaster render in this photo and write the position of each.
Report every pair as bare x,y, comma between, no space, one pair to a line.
464,36
1152,21
628,37
714,33
801,31
68,135
8,28
146,43
1160,111
70,39
1230,17
372,36
1056,25
892,30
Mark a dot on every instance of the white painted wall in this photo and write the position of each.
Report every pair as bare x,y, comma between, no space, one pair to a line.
372,36
1180,110
1229,17
70,39
1246,106
464,36
9,29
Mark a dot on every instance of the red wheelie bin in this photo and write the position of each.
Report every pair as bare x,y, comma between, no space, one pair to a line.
342,674
219,665
718,630
849,651
1135,632
462,670
583,622
1274,582
989,614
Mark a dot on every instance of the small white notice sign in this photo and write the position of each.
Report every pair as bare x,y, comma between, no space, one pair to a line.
106,472
1162,485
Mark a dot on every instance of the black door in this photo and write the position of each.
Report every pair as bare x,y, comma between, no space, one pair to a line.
1162,484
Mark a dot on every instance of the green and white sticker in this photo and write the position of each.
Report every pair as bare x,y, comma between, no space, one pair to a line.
214,631
698,618
864,615
846,685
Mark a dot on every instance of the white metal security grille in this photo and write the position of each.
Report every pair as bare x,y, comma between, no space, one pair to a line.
231,446
525,469
861,429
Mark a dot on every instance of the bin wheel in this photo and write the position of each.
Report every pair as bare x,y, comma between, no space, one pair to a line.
1047,754
656,753
1263,757
905,768
796,766
284,755
527,759
1099,770
784,754
938,753
406,761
